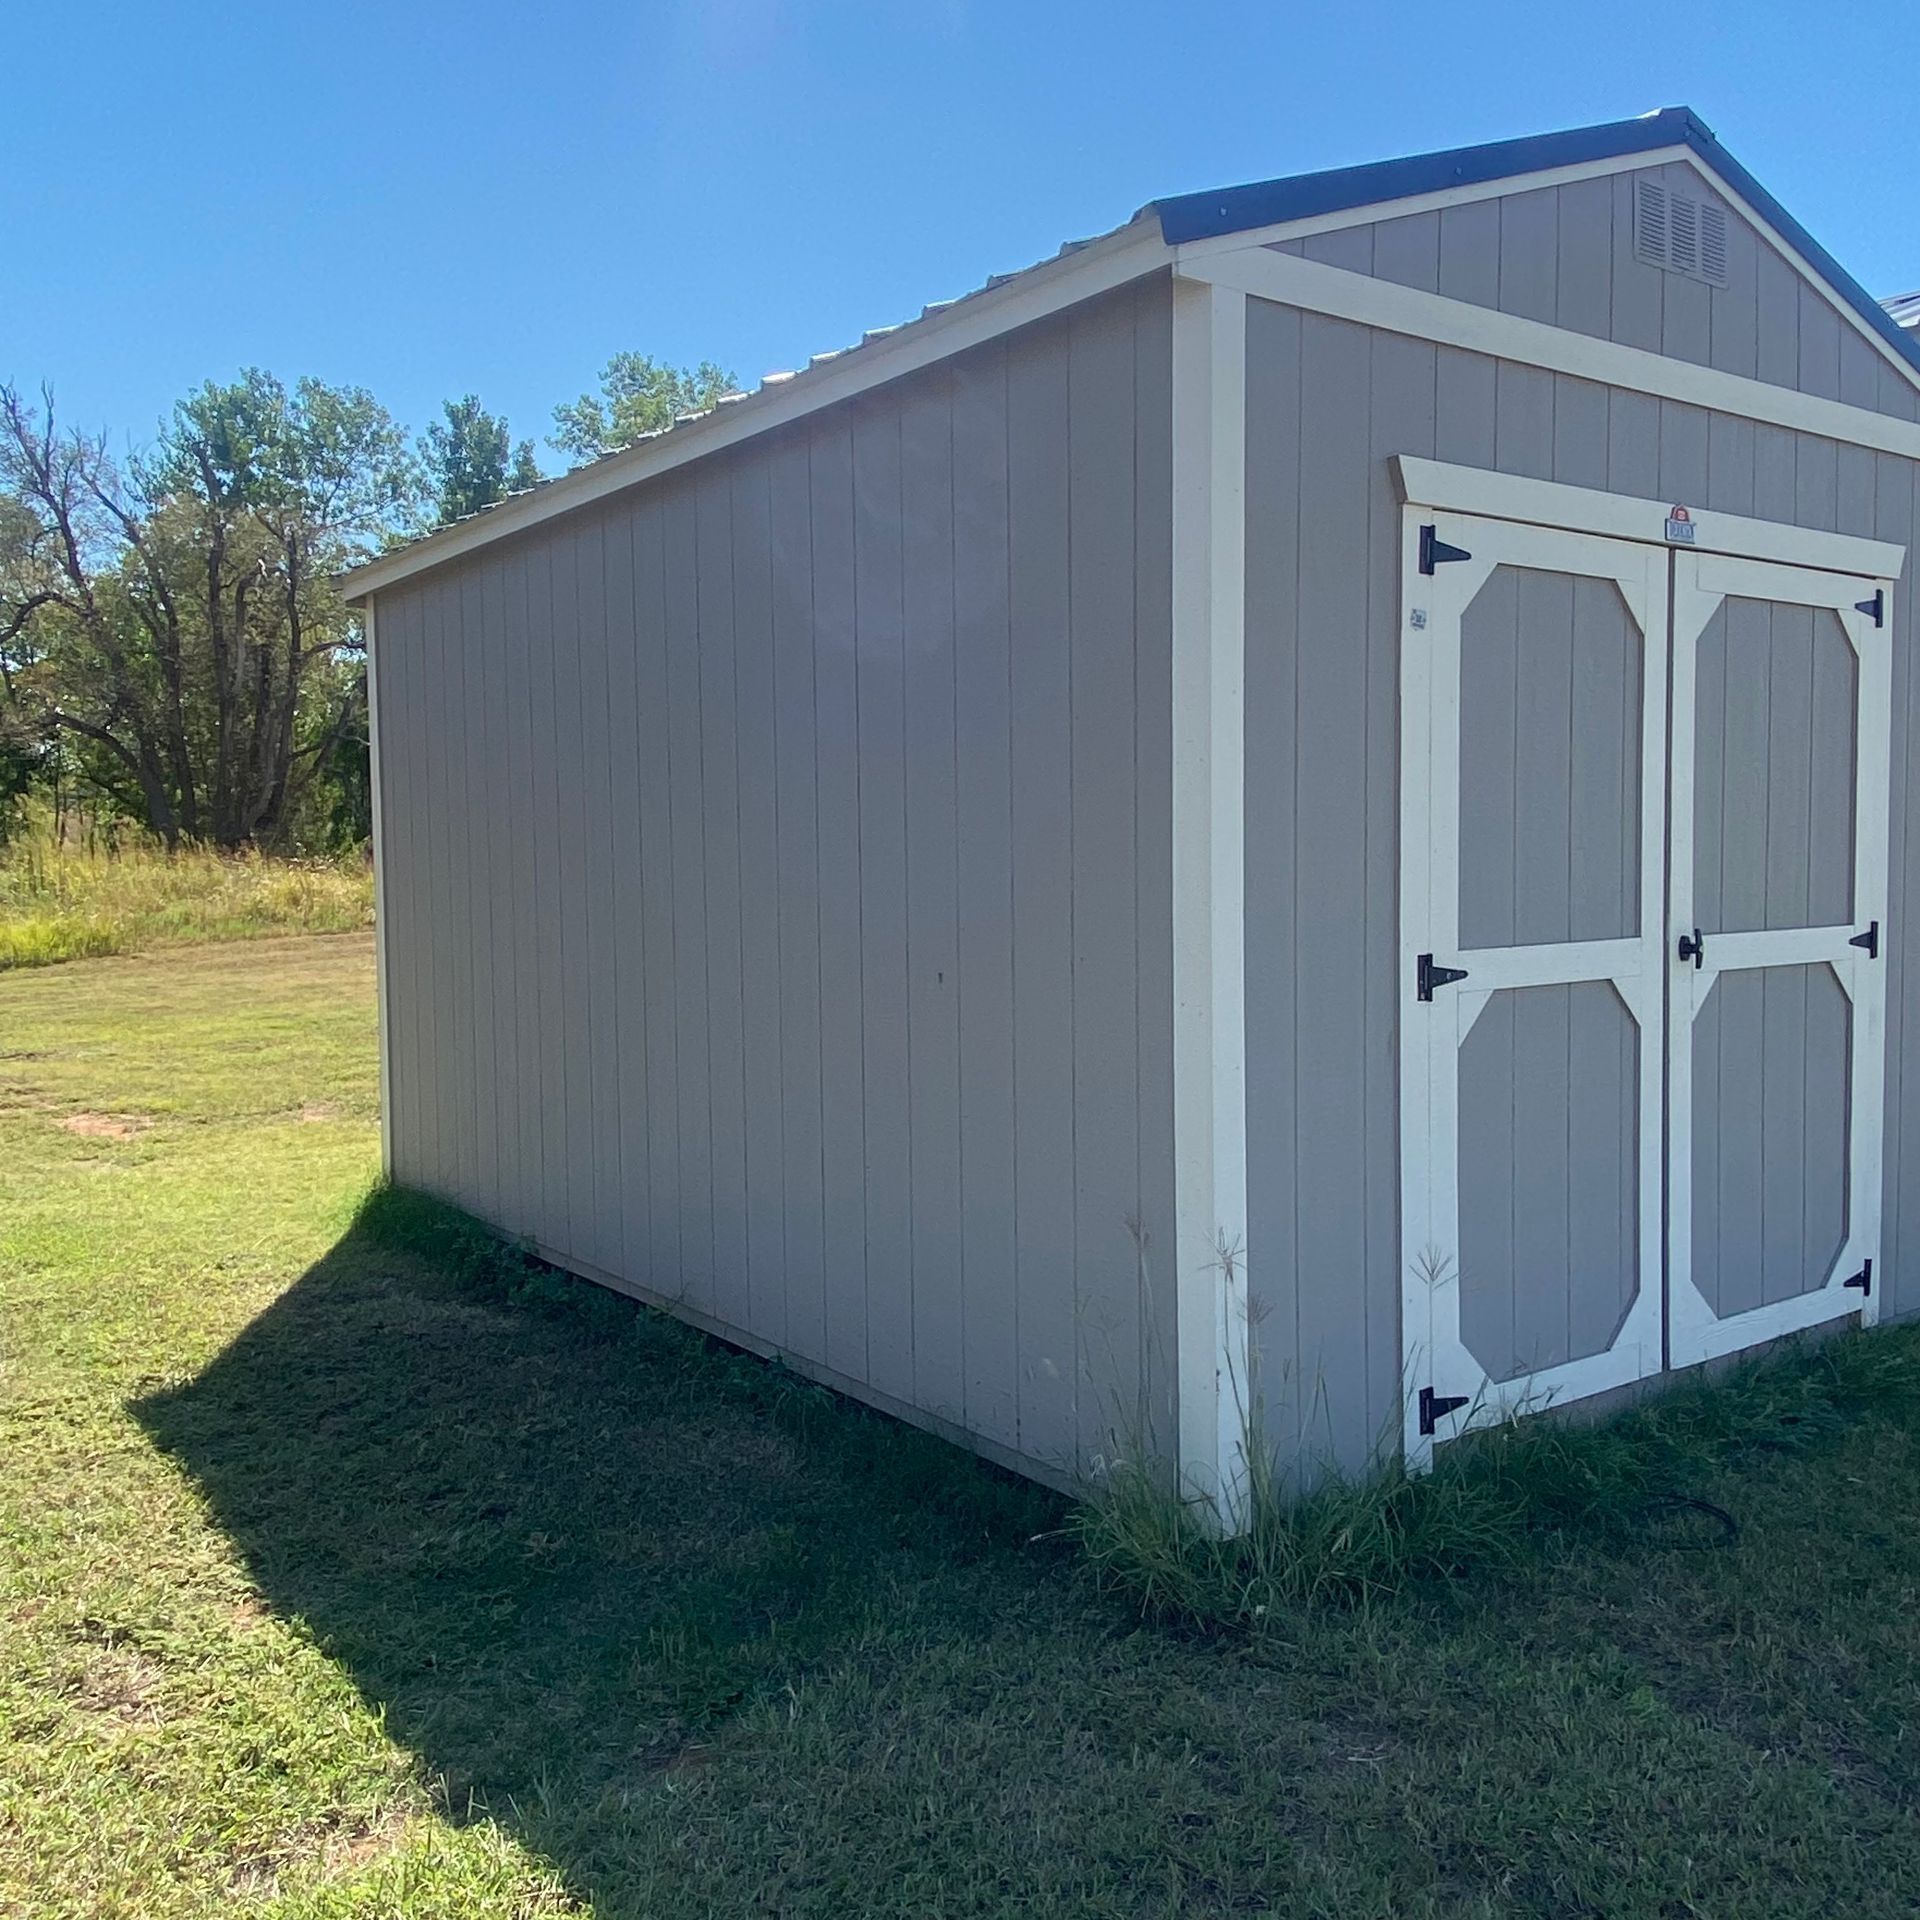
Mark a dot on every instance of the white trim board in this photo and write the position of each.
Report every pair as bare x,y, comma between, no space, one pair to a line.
1209,908
1129,254
379,850
1505,496
1393,308
1194,251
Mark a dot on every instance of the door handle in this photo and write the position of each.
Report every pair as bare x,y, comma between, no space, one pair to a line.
1693,946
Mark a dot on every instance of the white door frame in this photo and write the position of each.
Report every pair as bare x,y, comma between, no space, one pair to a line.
1700,583
1446,1389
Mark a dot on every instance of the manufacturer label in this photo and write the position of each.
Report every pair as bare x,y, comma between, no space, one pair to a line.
1680,527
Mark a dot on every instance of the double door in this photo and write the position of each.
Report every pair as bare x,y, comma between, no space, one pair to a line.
1643,907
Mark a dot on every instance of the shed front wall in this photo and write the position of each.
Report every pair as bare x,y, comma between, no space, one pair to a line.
778,888
1328,405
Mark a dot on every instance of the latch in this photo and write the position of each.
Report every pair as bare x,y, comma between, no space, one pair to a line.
1693,946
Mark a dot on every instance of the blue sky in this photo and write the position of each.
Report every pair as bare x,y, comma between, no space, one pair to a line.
432,199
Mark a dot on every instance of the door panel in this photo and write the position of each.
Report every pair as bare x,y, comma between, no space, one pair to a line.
1549,1177
1778,872
1550,727
1534,784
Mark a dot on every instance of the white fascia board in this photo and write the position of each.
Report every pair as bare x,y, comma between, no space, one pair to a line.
1386,304
1505,496
1130,253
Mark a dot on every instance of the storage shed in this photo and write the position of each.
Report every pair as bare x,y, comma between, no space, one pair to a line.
1304,805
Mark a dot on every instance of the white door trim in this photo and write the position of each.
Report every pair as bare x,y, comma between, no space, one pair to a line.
1701,582
1434,1354
1506,496
1209,899
376,769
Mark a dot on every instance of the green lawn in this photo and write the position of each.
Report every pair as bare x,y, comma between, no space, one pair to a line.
339,1578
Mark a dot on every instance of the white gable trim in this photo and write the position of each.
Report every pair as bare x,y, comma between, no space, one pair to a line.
1506,336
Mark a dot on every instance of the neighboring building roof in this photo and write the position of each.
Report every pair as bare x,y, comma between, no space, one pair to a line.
1198,216
1175,221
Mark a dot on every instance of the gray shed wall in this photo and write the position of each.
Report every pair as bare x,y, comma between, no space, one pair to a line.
778,882
1329,403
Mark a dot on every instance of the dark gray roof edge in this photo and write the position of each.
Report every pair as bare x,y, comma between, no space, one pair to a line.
1267,203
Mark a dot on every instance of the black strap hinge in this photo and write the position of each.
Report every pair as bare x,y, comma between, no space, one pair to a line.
1862,1282
1435,552
1434,1407
1876,608
1428,976
1868,942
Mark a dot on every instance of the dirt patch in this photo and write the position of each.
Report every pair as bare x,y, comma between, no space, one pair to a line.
106,1126
118,1684
316,1111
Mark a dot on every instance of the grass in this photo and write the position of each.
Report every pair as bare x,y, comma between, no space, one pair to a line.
350,1568
62,902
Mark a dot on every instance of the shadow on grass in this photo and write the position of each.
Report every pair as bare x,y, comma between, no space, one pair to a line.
557,1538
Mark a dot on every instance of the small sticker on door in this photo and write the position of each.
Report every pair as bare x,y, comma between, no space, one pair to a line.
1680,527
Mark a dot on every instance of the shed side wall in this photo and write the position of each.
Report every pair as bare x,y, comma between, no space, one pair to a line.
1328,404
780,869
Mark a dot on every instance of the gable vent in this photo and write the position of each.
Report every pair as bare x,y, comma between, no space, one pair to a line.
1678,233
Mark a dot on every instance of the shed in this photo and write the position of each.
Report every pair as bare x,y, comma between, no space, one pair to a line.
1301,807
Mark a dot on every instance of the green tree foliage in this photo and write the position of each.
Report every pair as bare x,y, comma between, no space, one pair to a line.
178,624
637,396
471,461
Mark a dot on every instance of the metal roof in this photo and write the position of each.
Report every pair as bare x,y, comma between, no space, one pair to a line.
1197,216
1905,309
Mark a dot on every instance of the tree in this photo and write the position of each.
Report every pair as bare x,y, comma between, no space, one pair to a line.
471,462
637,396
179,623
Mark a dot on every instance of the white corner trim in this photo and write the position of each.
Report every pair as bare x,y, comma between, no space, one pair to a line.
1209,942
1505,336
1134,251
1436,201
374,778
1547,503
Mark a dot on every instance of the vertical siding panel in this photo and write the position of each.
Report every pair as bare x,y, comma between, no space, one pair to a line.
660,887
1583,288
1464,407
1403,386
1894,520
448,1051
843,1110
1860,365
1331,790
1734,309
552,1223
1686,320
1579,432
1470,252
1407,250
1773,473
402,817
1684,452
476,930
798,878
720,784
1106,1095
1730,464
1042,890
1819,343
1273,852
577,1035
881,665
766,1304
1350,248
1816,482
450,599
1153,830
933,1005
1777,320
601,900
627,901
500,1010
984,871
524,782
1633,443
1523,421
687,754
1530,253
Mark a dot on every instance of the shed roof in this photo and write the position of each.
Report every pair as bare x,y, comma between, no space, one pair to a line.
1173,221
